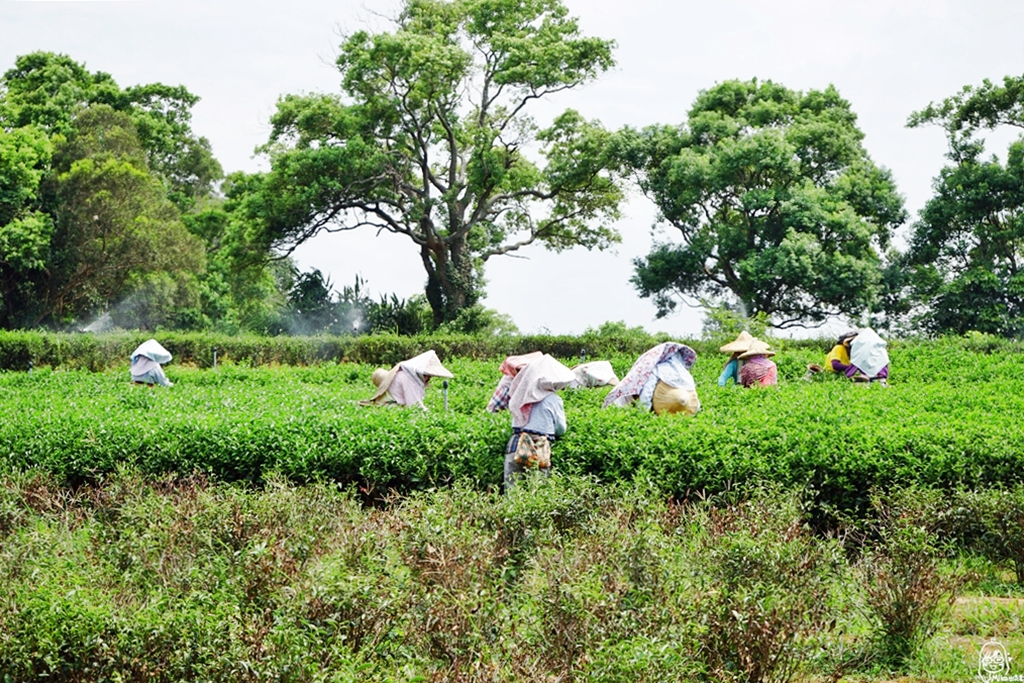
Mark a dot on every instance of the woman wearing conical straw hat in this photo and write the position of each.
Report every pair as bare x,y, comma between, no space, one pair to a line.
731,371
405,384
758,369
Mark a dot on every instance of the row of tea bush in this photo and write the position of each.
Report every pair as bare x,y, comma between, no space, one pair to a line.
950,418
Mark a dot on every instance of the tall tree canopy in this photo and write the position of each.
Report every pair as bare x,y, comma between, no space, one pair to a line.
430,139
93,182
47,91
966,258
116,228
25,231
777,206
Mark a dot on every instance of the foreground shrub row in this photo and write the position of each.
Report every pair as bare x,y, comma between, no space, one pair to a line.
180,579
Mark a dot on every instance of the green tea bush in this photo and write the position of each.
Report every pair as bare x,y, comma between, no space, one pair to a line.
764,587
838,440
97,352
996,525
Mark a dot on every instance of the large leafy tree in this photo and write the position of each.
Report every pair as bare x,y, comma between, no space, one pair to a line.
965,264
25,231
243,288
48,91
775,206
114,229
93,182
430,139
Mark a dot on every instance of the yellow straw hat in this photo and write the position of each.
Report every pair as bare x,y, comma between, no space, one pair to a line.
756,348
739,344
668,399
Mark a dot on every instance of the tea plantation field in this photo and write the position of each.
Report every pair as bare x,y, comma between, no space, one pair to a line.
219,530
950,417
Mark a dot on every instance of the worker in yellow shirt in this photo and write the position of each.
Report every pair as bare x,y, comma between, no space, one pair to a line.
840,354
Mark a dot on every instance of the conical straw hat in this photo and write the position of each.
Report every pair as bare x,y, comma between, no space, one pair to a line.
668,399
378,376
427,364
739,344
757,348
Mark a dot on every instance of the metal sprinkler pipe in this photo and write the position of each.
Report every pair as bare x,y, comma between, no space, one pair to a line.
444,385
215,357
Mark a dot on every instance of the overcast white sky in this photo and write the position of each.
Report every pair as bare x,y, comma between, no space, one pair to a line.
887,57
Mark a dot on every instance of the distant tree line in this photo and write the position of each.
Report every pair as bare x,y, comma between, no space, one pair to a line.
112,208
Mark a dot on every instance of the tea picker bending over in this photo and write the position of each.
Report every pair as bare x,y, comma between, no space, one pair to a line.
860,356
837,360
405,384
596,373
660,380
869,360
731,371
510,367
757,369
147,360
538,416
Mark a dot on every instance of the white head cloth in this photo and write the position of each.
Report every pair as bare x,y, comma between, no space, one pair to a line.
596,373
534,382
152,350
867,352
427,364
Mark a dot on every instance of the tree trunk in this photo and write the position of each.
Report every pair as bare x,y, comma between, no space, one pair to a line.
451,278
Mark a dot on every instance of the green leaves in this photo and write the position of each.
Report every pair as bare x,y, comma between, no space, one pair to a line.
24,156
51,90
966,248
24,243
24,231
947,420
985,106
92,180
115,226
777,205
429,138
536,45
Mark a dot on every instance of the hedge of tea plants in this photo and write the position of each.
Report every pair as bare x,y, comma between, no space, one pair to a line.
950,417
21,350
